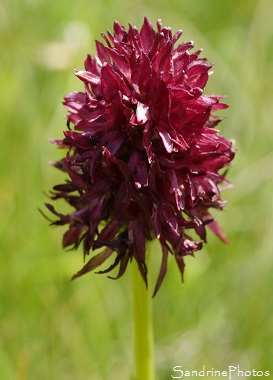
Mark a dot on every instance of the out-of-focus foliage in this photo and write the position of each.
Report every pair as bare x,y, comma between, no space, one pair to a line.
51,328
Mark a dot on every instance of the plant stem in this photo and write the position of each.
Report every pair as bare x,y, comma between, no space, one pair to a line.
143,327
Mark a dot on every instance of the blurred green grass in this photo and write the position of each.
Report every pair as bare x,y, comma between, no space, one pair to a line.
51,328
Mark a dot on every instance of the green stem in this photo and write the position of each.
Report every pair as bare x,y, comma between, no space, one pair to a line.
143,327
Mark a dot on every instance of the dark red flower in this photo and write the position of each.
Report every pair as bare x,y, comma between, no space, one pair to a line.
143,158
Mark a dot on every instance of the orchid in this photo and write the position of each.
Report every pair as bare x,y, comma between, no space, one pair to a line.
143,157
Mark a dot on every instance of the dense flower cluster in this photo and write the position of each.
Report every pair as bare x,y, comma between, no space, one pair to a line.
143,156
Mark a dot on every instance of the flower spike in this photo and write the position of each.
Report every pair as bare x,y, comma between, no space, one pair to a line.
144,159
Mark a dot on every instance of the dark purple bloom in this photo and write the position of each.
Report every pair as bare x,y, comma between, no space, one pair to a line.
143,158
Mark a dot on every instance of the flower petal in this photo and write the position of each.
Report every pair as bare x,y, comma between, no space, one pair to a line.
94,262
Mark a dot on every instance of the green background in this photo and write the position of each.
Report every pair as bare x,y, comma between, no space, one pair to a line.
51,328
